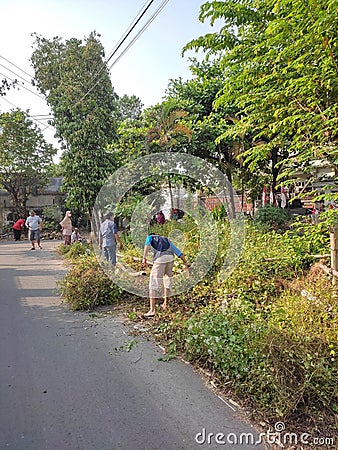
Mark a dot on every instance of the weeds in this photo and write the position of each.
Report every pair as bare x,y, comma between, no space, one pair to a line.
254,330
86,285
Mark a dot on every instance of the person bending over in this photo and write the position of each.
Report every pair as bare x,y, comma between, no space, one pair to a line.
164,252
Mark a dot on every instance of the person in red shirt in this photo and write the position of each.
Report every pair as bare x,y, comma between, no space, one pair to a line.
17,228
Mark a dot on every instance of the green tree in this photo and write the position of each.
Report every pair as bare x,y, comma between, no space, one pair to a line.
129,107
166,127
167,130
6,85
25,157
280,62
197,96
75,81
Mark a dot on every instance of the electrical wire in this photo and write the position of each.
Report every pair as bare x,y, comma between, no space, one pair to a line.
31,117
17,67
12,71
152,18
122,40
132,25
22,85
136,20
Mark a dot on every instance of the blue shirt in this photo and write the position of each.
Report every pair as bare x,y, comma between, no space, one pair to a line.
108,230
173,247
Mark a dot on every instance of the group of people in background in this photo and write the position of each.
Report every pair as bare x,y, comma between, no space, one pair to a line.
70,234
34,225
176,214
163,250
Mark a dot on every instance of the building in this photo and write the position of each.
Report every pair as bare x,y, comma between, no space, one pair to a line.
50,196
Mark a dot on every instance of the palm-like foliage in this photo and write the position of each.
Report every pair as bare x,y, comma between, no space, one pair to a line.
166,129
166,126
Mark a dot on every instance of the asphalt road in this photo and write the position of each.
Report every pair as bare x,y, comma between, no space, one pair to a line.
68,381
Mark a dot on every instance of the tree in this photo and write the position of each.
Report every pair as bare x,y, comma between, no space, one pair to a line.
197,96
280,62
167,130
25,157
6,85
75,81
129,107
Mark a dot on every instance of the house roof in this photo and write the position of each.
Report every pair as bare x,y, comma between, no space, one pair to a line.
53,186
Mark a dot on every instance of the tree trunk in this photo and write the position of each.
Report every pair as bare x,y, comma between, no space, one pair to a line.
171,196
274,169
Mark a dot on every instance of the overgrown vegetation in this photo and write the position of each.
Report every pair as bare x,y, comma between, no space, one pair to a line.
269,331
86,285
258,334
272,218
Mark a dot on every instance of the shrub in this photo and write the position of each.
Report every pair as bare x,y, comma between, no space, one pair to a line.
271,218
86,286
284,368
75,250
275,348
51,217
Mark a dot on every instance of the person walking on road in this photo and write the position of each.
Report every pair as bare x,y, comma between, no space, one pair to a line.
67,227
164,252
34,225
17,228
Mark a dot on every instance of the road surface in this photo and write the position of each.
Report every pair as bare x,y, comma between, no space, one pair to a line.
68,381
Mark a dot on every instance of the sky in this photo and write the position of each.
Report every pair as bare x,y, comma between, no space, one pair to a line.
144,70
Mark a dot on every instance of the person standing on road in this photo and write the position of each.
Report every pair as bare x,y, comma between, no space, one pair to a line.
17,228
34,225
164,252
67,227
108,238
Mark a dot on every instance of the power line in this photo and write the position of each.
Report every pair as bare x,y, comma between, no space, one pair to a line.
132,25
3,98
23,71
123,39
10,70
22,85
130,29
31,117
152,18
42,116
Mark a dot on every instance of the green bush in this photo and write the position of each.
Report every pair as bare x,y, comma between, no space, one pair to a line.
75,250
86,285
285,370
255,332
219,212
51,216
271,218
276,348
